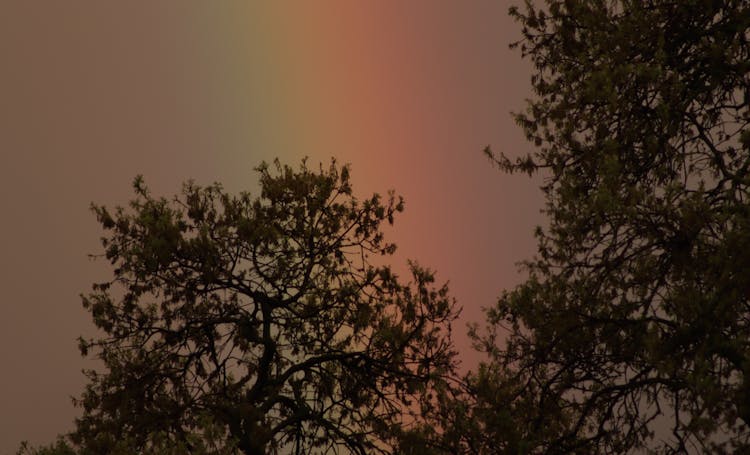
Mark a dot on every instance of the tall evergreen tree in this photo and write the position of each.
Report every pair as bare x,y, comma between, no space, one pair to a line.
260,325
632,330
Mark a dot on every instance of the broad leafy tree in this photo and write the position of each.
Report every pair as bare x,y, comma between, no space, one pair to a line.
632,331
262,325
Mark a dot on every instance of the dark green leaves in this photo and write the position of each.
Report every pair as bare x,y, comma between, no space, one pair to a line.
258,324
636,315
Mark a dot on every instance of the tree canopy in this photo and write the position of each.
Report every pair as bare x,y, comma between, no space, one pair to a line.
260,325
632,330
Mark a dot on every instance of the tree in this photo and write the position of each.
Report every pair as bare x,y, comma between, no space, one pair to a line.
632,331
258,325
59,447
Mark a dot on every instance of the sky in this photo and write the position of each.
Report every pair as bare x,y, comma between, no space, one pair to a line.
93,93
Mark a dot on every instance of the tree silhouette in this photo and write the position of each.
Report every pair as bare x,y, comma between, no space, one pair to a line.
632,331
258,325
59,447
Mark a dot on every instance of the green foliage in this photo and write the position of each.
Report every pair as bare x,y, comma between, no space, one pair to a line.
258,325
632,331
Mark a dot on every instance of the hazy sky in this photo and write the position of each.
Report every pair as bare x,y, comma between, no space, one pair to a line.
93,93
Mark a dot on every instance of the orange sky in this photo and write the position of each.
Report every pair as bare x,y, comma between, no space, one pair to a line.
93,93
